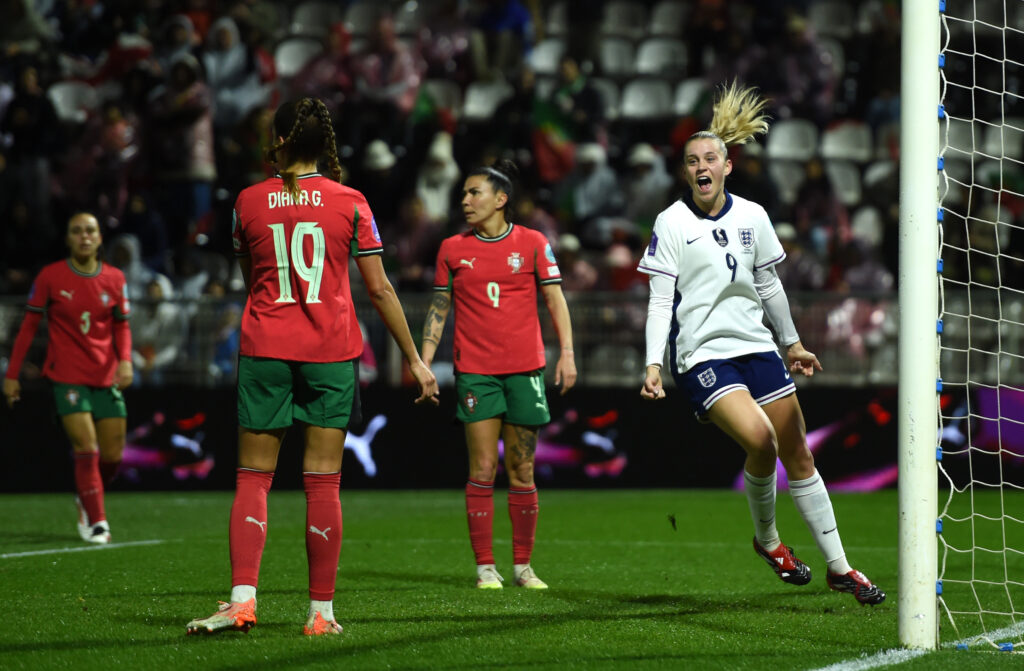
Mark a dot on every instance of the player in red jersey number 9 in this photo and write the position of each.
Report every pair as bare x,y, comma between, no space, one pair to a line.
492,271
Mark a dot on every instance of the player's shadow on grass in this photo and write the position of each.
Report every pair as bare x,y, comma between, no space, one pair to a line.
401,580
41,538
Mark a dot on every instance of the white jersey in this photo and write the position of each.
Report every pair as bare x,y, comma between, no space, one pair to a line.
716,312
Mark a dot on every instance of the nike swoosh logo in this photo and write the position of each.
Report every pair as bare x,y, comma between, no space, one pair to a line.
829,531
690,242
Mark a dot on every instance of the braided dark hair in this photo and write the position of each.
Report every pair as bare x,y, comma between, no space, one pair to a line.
502,177
310,137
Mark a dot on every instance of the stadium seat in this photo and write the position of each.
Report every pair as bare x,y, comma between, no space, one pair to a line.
545,58
292,53
661,57
609,91
875,174
409,18
788,176
1005,138
646,99
557,23
866,225
792,140
959,137
482,99
668,18
834,18
615,57
314,19
847,141
689,94
445,93
360,17
624,19
844,176
73,101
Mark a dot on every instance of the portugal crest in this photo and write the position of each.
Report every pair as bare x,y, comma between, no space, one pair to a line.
470,402
71,397
707,378
515,261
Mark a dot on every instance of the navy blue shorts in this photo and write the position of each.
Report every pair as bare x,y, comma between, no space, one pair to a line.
764,375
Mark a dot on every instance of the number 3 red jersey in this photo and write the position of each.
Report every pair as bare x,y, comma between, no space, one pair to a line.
300,302
494,287
80,312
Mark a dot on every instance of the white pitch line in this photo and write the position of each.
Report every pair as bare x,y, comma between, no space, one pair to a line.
899,655
57,551
884,658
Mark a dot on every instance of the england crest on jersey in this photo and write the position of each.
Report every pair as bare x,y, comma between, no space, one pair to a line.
515,261
707,378
747,237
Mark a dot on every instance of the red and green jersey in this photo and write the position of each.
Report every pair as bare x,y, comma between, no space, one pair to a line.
494,285
300,302
86,318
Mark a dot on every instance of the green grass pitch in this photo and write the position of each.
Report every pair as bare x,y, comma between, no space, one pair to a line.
627,589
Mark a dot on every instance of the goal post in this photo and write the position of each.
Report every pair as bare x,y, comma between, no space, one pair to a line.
918,336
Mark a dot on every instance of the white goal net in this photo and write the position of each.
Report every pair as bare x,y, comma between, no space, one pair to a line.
981,301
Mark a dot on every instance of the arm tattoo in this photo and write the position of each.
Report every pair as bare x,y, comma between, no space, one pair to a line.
436,314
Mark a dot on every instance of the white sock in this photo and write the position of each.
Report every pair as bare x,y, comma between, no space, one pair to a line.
761,497
242,593
815,507
326,609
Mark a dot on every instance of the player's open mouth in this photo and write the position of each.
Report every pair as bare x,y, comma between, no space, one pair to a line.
704,183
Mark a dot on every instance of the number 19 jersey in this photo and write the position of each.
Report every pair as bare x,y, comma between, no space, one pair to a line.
716,313
300,302
494,287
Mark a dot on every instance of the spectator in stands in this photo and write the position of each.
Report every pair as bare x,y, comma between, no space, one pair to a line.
416,240
180,125
24,33
718,252
328,74
232,74
794,72
648,188
224,318
145,223
437,177
382,179
802,270
591,190
861,270
502,39
177,38
159,330
31,123
818,214
750,179
387,81
580,104
126,255
494,271
532,215
578,274
22,249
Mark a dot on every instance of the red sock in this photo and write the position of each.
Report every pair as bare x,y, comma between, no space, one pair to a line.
89,485
108,471
247,529
522,509
479,511
323,532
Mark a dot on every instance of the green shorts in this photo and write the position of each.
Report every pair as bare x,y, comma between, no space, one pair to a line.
100,402
273,393
518,396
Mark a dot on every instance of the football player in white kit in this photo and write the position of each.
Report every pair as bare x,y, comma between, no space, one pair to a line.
712,278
